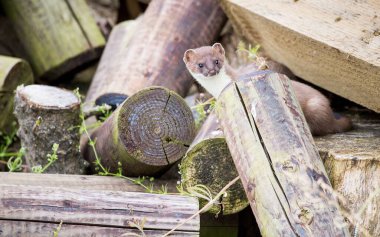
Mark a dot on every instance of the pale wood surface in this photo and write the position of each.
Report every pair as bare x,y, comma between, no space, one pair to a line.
43,26
352,161
87,182
333,44
281,171
96,207
38,229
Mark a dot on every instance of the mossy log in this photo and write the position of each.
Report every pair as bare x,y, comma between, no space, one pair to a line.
352,161
13,72
146,134
58,36
49,115
27,210
278,163
208,161
154,55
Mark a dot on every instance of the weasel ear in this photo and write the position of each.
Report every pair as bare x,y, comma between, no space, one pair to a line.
189,54
218,47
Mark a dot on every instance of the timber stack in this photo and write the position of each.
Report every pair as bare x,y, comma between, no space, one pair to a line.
105,132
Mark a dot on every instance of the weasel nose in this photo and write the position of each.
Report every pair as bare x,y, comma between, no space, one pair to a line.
212,72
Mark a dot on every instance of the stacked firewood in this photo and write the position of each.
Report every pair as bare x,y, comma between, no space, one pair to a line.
143,115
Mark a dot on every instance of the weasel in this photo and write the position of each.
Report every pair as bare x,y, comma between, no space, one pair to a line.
210,69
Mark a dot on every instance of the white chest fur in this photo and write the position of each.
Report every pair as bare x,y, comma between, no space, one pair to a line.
215,84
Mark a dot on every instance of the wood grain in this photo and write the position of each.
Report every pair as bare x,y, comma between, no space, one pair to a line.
276,158
96,207
352,161
333,44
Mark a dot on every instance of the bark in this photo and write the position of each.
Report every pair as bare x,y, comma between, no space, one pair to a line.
275,156
49,115
58,36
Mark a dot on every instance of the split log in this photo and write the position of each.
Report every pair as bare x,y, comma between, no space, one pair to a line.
37,211
43,26
273,151
154,55
318,43
49,115
13,72
149,132
208,161
352,161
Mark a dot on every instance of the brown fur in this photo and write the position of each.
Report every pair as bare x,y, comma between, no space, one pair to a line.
207,56
315,106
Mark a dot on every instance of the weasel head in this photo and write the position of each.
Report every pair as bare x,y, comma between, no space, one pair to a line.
206,61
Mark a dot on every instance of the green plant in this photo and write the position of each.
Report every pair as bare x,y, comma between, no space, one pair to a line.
51,159
252,52
57,230
15,164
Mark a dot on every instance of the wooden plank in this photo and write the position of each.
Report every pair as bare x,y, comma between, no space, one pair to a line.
276,159
33,229
333,44
97,208
87,182
352,160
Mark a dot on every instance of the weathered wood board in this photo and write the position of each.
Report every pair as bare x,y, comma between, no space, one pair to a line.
36,210
333,44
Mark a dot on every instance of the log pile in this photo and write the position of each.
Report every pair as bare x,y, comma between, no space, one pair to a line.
173,149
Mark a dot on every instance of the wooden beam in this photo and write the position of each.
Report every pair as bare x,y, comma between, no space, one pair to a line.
93,208
333,44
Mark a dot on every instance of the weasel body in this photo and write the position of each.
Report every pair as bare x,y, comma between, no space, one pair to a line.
209,68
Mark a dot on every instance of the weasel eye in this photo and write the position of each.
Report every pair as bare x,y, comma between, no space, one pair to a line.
216,62
200,65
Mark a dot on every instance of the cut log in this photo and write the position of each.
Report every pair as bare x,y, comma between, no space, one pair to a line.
37,211
49,115
352,161
273,151
13,72
149,132
334,47
43,26
208,161
154,55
